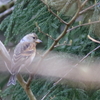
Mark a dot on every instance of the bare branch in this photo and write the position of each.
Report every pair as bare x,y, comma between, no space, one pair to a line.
5,53
93,39
48,93
63,44
79,3
77,64
61,20
21,81
7,59
56,41
5,56
77,13
59,37
4,7
8,11
69,71
95,22
29,81
24,84
44,33
83,11
84,3
63,33
27,89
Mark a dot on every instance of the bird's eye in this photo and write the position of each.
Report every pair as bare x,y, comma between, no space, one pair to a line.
34,38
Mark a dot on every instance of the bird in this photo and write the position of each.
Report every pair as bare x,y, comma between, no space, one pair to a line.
23,56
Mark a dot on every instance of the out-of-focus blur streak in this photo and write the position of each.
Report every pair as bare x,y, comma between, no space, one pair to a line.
56,65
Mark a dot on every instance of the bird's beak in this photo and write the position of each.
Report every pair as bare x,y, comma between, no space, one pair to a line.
38,41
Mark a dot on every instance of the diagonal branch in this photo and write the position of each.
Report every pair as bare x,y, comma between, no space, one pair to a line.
24,84
76,65
55,40
83,4
63,44
61,20
7,59
27,89
95,22
8,11
29,80
80,6
70,71
83,11
5,56
44,33
93,39
77,13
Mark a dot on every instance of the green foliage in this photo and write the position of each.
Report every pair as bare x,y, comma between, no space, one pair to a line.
41,87
23,21
81,45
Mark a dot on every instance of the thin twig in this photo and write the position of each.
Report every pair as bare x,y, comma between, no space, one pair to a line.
69,71
63,44
58,38
95,22
61,35
84,3
77,64
21,81
93,39
83,11
27,89
5,6
29,81
43,32
79,3
7,59
77,13
61,20
5,56
56,41
8,11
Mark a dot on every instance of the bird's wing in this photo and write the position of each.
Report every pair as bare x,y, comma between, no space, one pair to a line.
22,52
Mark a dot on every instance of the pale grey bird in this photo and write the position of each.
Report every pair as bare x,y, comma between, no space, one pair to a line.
24,54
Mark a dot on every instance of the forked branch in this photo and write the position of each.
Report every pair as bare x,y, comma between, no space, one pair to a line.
50,10
7,59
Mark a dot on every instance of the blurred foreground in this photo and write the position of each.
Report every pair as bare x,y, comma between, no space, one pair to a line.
56,65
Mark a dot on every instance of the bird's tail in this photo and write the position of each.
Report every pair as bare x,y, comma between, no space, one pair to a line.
12,80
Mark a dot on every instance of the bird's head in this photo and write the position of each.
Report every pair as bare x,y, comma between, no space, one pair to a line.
32,37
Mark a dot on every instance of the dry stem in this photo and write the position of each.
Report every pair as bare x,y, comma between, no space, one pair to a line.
61,20
93,39
8,11
83,11
44,33
62,35
26,85
7,59
89,23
